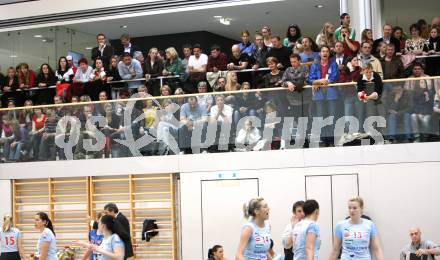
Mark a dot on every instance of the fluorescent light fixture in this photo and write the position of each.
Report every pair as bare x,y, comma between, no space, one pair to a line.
38,36
319,6
13,56
218,16
124,26
44,40
225,21
89,48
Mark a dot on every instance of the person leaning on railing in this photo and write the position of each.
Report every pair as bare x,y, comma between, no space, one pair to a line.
433,44
129,69
45,79
423,98
9,86
153,69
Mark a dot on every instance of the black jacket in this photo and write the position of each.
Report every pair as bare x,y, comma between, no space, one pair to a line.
123,221
148,229
133,49
106,54
392,40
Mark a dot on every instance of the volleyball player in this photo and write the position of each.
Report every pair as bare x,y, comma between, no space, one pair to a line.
11,242
46,245
255,236
306,234
356,235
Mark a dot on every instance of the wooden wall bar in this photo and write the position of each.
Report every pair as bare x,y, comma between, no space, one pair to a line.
73,202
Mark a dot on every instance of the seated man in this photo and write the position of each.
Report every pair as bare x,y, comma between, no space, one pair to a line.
221,114
424,249
191,113
399,105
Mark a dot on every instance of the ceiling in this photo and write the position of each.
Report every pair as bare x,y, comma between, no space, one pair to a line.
277,15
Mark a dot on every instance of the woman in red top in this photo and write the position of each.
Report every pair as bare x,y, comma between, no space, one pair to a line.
26,77
38,120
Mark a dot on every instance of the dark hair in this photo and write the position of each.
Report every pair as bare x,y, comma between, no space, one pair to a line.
314,47
324,47
197,46
418,64
83,60
310,206
125,36
212,250
187,46
271,243
298,33
276,37
245,32
295,56
343,15
422,22
43,216
396,28
299,203
215,47
415,26
363,43
111,207
115,228
100,34
50,73
125,54
59,66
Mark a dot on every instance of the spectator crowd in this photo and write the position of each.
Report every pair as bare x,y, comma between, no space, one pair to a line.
259,61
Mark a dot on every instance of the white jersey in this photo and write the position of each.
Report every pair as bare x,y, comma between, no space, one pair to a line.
9,240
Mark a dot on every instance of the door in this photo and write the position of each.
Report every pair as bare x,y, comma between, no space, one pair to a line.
222,212
332,193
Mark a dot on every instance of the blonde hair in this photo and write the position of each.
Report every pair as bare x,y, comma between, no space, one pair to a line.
231,86
250,207
329,38
172,52
367,66
7,223
358,200
165,87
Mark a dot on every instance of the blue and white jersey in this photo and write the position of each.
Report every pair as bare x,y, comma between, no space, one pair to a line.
301,230
48,236
9,240
355,239
259,242
110,244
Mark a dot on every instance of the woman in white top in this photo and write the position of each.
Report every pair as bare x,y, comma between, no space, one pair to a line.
113,244
11,247
47,245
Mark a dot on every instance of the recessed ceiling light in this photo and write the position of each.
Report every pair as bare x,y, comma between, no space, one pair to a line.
44,40
124,26
89,48
319,6
13,56
38,36
217,16
225,21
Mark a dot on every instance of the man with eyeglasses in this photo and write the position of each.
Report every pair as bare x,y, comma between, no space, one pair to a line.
365,57
418,248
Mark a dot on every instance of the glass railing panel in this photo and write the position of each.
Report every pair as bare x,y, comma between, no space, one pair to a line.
399,111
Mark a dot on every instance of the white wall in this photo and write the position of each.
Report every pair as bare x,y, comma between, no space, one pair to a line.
5,197
398,182
397,196
44,7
